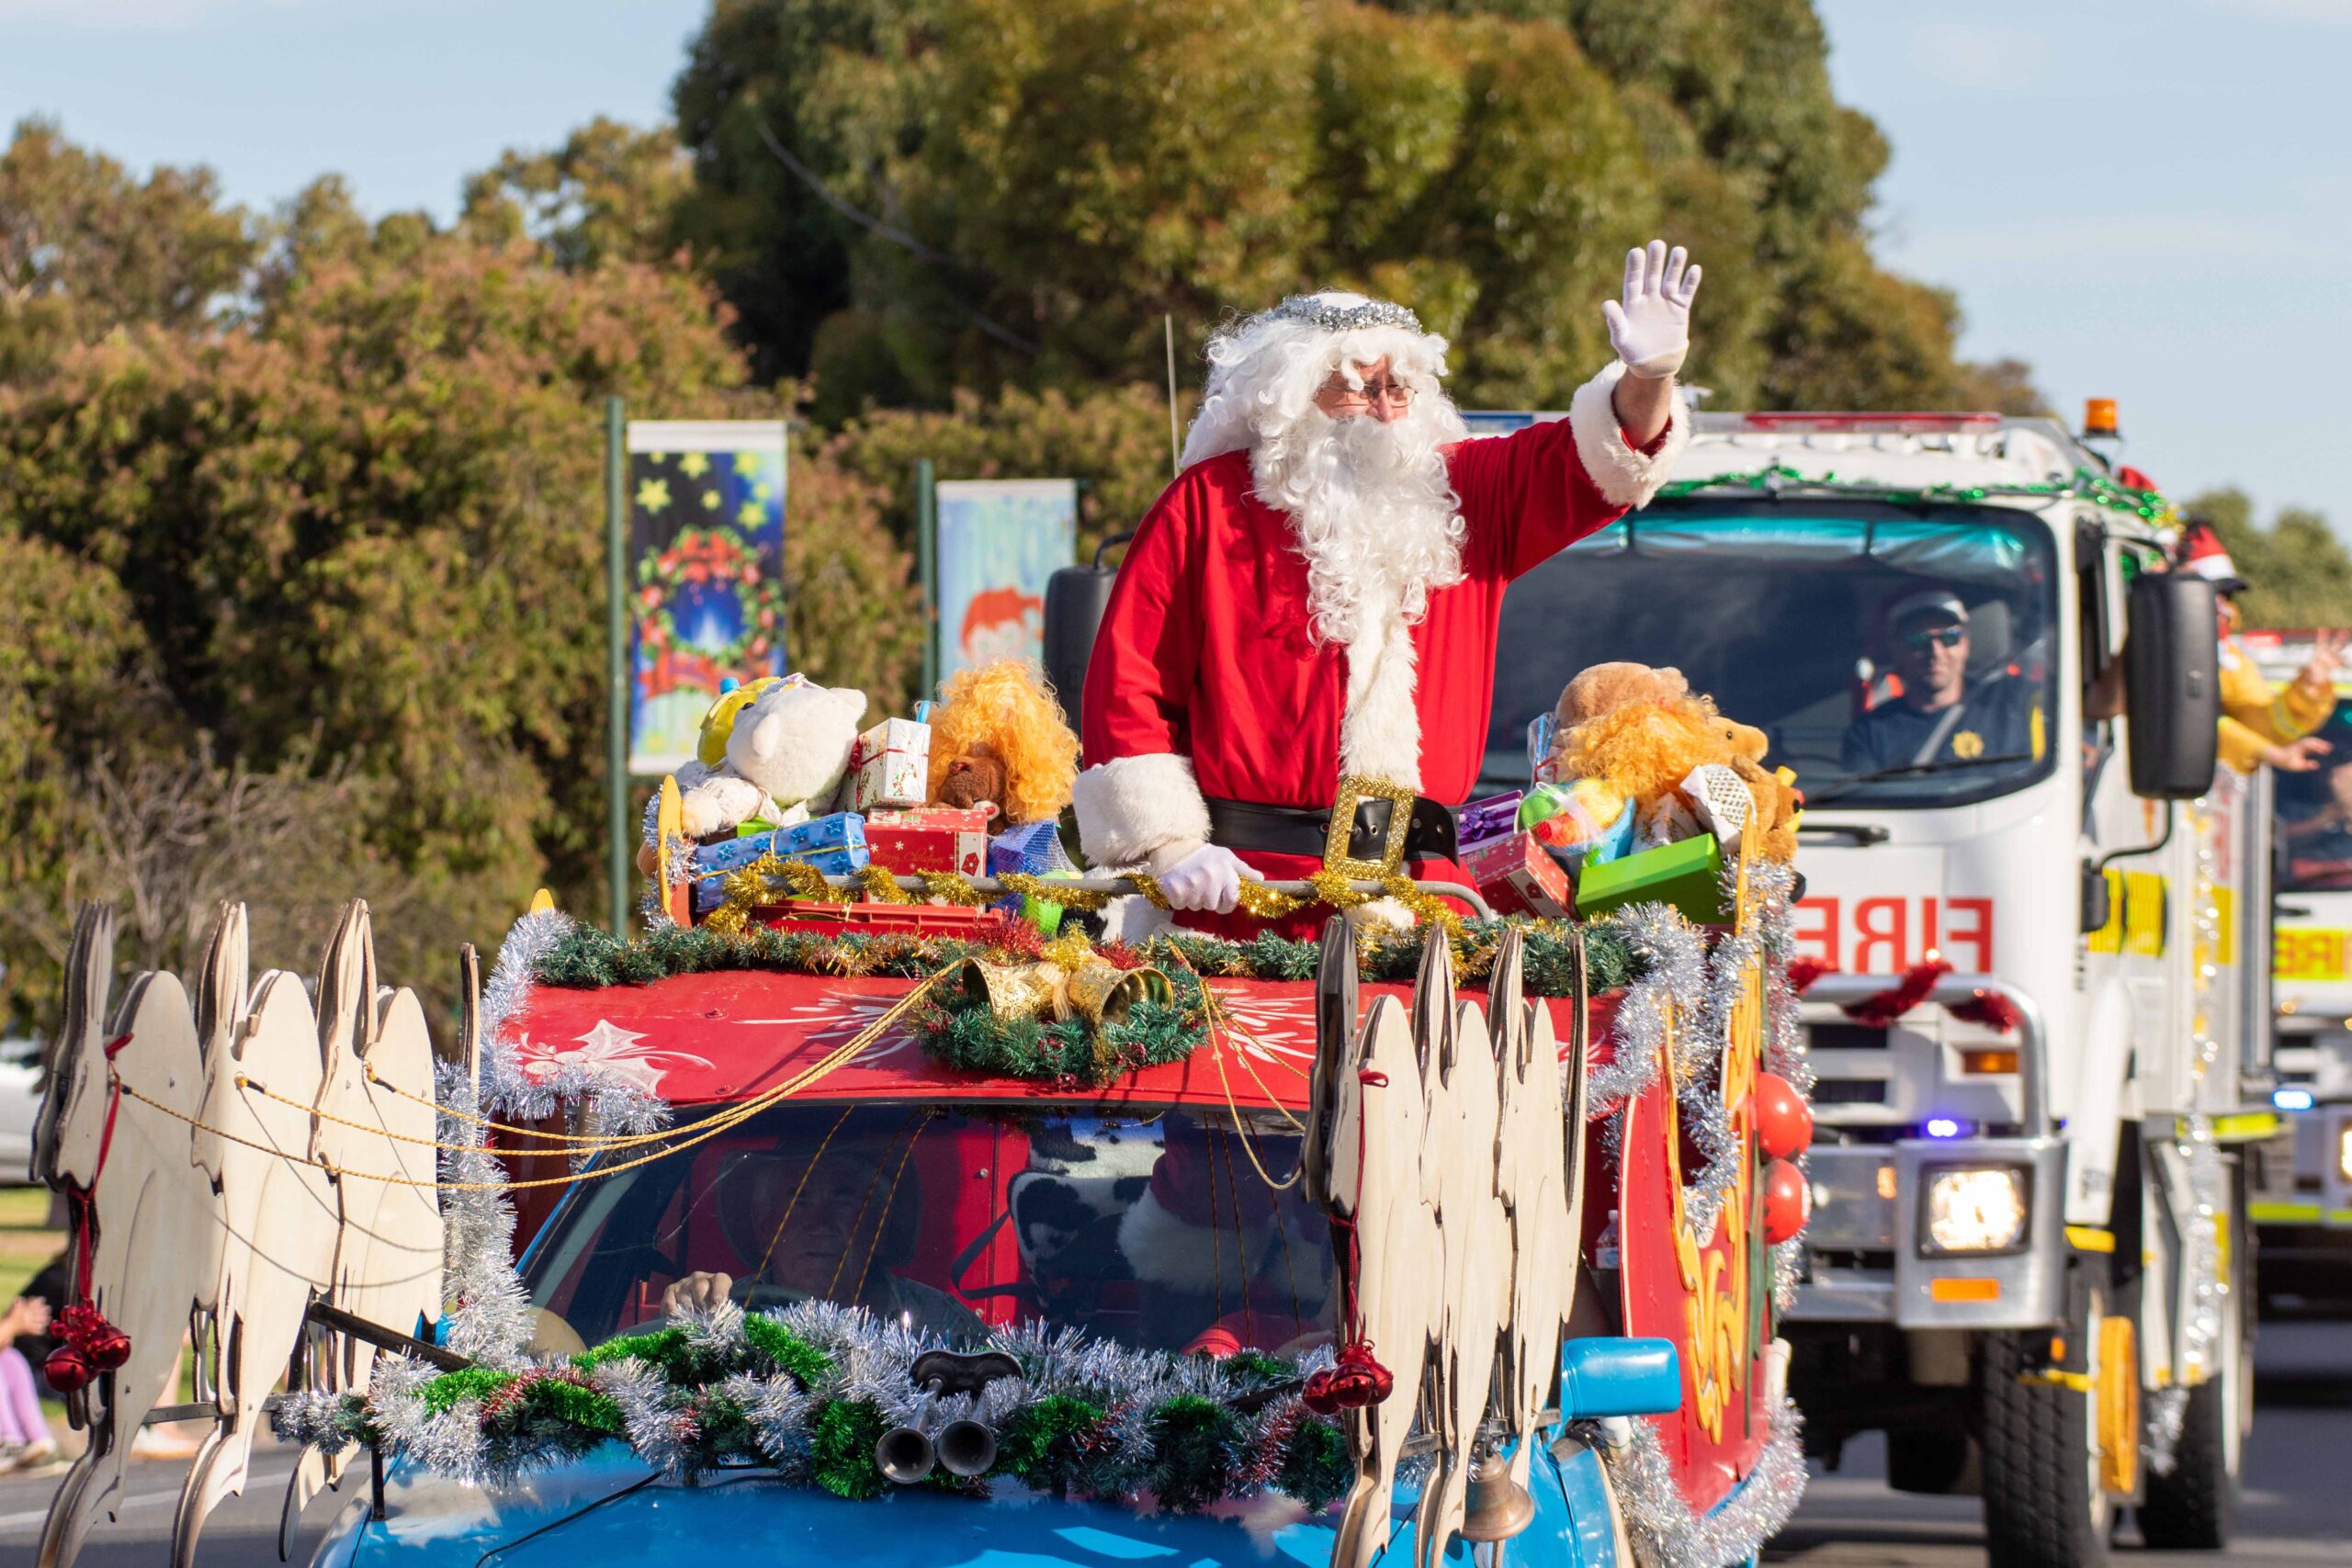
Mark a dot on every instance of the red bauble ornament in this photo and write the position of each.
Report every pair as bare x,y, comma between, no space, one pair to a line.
65,1369
1788,1201
1354,1381
1783,1121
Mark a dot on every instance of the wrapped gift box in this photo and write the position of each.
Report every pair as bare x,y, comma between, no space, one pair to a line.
841,830
1518,877
845,860
890,766
936,838
1687,874
1488,818
1027,847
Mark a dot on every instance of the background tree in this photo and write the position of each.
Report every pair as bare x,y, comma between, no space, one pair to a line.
910,196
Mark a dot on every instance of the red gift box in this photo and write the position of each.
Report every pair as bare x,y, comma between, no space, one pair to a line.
930,838
1518,877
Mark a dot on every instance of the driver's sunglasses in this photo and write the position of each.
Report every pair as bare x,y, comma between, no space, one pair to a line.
1939,636
1389,394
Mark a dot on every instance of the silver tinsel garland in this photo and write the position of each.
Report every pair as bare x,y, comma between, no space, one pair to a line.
1664,1530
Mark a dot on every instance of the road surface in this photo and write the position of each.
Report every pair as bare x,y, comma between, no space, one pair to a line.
2296,1508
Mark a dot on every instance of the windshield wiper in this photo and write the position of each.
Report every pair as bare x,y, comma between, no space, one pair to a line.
1950,765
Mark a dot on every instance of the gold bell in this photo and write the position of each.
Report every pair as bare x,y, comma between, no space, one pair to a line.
1102,993
1498,1507
1010,990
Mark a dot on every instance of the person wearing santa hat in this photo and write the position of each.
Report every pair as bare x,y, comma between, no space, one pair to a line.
1304,625
2259,725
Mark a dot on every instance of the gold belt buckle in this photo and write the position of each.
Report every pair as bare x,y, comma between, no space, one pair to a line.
1355,789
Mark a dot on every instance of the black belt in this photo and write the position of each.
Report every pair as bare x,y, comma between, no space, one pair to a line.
1243,825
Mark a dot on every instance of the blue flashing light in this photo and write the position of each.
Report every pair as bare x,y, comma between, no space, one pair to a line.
2292,1099
1942,1127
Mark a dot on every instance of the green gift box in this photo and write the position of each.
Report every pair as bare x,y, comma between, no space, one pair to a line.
1689,875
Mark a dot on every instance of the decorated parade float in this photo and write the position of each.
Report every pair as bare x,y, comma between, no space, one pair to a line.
895,1194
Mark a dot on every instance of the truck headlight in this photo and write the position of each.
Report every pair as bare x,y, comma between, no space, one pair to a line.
2343,1151
1978,1209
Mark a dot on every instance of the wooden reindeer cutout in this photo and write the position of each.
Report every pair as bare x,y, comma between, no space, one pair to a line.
146,1236
1543,1196
278,1210
1372,1159
1459,1145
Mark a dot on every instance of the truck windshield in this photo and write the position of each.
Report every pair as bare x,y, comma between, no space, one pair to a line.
1153,1229
2315,814
1829,626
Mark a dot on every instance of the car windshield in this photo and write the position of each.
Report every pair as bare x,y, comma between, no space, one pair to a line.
1893,656
2315,814
1152,1229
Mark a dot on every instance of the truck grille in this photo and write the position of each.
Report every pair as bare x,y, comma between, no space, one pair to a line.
1849,1091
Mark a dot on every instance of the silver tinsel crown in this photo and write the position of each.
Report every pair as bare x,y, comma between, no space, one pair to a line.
1333,317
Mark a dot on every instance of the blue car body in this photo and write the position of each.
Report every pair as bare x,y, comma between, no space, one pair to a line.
610,1511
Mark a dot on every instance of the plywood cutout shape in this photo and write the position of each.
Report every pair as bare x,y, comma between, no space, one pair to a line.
1376,1123
1461,1143
278,1216
1539,1130
158,1236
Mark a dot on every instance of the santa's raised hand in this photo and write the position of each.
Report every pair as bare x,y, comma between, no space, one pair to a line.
1651,328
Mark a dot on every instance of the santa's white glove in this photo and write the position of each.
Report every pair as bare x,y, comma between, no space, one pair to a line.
1203,877
1651,330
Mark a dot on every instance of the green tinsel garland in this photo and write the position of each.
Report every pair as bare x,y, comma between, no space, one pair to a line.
587,958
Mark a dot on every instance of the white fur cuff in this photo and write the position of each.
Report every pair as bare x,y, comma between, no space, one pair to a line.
1130,806
1625,476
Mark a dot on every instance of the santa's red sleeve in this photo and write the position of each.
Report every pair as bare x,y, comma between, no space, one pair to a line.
1528,495
1137,792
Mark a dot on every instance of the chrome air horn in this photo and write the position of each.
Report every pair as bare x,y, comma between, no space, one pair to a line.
964,1447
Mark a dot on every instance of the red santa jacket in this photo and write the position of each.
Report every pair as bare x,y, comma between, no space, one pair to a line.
1206,677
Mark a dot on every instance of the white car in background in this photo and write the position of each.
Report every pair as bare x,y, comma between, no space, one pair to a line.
20,1100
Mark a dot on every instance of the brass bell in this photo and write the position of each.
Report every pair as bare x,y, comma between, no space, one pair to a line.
1498,1507
1010,990
1102,993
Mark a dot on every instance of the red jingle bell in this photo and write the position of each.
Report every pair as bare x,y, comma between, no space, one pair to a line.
66,1369
106,1347
1788,1201
1783,1121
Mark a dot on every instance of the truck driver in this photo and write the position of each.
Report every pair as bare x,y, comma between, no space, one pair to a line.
1940,718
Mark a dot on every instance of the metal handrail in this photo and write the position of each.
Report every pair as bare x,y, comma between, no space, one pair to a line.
1120,884
2032,1033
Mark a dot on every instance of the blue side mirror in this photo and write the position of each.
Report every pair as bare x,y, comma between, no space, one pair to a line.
1610,1376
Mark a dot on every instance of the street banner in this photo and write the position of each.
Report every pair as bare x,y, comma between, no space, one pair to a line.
706,574
999,541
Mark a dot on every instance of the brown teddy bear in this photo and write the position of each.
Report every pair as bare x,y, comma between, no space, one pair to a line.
1641,730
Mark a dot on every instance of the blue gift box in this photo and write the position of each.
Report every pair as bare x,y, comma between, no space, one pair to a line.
802,840
1026,848
842,862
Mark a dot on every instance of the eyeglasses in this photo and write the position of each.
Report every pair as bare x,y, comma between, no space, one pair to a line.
1389,394
1939,637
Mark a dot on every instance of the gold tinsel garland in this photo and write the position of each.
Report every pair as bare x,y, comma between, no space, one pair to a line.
747,888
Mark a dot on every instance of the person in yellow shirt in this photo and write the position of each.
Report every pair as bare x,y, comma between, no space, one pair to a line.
2259,724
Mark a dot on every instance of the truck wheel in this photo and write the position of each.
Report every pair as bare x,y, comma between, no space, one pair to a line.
2043,1505
2195,1508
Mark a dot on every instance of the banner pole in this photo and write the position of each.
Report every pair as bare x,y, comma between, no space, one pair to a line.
616,851
927,563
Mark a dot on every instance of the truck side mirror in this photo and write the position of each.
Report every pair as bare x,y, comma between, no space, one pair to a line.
1076,597
2172,682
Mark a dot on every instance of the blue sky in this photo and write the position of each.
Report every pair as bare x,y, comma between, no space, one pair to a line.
2147,199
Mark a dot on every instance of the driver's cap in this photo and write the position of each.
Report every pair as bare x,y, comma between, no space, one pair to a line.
1938,601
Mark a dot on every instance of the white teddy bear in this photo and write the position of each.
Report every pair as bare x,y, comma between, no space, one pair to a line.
789,749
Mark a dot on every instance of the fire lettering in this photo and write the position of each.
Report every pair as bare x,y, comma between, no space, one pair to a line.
1978,937
1825,910
1871,935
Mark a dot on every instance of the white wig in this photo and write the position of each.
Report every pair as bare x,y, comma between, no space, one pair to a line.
1372,503
1265,371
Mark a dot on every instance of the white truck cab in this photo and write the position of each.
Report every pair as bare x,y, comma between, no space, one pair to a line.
2033,926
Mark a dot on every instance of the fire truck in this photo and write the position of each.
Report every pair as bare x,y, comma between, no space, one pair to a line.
2300,1178
2035,935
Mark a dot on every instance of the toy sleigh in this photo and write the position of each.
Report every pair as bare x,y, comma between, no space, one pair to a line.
1535,1328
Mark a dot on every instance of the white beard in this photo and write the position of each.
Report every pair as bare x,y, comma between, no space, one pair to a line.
1373,512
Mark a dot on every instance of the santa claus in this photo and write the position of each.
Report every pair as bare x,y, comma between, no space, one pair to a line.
1304,625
